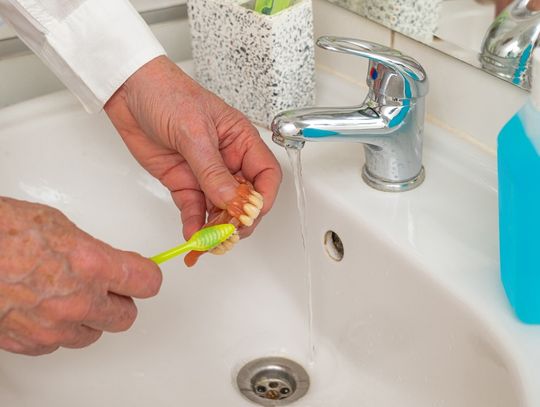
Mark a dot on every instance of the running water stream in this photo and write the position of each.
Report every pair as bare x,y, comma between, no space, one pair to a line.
296,164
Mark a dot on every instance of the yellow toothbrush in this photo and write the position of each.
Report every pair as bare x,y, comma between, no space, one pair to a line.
201,241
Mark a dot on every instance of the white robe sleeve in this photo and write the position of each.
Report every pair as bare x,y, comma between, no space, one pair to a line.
93,46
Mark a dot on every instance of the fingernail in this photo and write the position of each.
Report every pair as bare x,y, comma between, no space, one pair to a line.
227,192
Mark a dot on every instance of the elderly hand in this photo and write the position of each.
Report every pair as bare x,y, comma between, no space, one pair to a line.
61,287
191,141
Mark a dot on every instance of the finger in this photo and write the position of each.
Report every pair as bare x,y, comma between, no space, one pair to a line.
192,205
11,345
261,167
36,336
206,162
28,348
112,313
39,350
247,231
122,272
186,194
133,275
85,336
32,337
267,184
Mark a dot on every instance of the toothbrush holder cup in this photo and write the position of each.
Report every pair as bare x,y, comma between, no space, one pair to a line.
260,64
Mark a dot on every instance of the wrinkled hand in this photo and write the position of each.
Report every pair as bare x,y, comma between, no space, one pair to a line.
191,141
61,287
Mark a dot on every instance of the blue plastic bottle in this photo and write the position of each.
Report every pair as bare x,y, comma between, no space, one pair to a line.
519,205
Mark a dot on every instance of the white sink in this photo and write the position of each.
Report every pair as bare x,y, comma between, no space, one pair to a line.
414,315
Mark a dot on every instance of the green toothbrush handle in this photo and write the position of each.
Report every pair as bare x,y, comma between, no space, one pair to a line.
169,254
201,241
269,7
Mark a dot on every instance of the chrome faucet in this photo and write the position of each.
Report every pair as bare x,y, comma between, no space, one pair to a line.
510,41
390,122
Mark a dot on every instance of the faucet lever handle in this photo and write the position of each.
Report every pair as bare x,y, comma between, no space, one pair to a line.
390,72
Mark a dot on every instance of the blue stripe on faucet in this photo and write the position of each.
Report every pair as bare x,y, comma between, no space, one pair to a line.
522,65
311,132
404,110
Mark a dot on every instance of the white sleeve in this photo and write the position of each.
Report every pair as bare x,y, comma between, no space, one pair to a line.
93,46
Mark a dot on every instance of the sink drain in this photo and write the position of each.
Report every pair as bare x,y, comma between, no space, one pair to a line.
273,381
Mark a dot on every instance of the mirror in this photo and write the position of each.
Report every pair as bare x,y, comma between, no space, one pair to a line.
497,36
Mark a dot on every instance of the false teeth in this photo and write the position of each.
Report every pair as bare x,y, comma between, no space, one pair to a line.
219,250
256,201
244,209
227,245
246,220
251,210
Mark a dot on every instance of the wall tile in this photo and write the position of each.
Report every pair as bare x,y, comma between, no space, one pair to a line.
331,19
463,97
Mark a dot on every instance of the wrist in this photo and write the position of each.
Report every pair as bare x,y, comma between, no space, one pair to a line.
145,75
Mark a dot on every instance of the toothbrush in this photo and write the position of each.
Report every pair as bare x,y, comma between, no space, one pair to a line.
269,7
202,241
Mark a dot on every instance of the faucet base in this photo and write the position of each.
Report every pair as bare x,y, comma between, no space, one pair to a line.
392,186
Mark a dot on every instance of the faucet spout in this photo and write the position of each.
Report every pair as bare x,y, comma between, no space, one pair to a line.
391,133
361,123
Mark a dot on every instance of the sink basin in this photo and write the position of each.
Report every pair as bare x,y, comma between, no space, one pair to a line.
414,314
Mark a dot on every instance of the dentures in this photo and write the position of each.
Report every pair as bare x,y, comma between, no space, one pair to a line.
241,212
247,206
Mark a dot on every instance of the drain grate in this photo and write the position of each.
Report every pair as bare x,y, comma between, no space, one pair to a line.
273,381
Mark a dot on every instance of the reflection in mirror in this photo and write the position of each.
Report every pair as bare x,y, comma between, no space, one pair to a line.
400,15
510,40
495,35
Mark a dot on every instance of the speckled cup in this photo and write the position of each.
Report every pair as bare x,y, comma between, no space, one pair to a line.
259,64
415,18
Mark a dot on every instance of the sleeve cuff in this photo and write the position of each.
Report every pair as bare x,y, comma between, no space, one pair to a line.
98,47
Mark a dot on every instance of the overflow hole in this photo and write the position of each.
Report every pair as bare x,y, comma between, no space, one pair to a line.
333,246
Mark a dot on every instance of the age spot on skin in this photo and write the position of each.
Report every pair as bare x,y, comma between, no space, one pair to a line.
38,219
13,232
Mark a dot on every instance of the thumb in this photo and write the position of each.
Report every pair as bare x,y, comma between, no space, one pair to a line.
215,179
